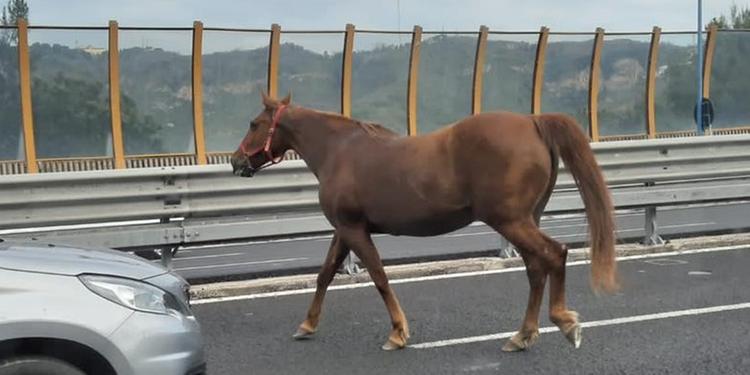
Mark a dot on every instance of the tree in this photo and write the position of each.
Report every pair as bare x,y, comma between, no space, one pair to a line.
720,22
71,118
739,18
11,13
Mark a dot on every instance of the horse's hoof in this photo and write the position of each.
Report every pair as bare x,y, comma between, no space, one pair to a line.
519,342
390,345
574,335
303,334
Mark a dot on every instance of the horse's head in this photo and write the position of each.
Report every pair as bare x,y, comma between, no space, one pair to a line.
262,145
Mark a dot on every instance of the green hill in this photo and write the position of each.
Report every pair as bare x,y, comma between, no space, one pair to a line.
71,96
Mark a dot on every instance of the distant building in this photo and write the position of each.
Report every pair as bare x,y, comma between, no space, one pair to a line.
94,51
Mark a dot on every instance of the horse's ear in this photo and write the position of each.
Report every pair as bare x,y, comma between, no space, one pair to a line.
287,99
267,101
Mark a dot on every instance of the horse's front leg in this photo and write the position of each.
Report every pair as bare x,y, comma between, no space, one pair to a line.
336,255
358,239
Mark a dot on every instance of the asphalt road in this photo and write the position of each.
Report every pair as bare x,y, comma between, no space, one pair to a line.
287,256
657,324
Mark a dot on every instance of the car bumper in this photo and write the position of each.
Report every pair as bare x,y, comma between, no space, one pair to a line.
161,344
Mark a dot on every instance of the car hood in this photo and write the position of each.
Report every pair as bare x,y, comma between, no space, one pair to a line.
66,260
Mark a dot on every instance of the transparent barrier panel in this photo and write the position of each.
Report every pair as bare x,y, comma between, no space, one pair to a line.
730,80
622,85
310,68
70,92
566,76
380,71
446,71
676,87
11,133
509,72
235,69
156,88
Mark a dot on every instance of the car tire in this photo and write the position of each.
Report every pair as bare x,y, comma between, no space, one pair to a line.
37,366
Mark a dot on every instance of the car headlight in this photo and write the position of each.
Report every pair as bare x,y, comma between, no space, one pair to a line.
133,294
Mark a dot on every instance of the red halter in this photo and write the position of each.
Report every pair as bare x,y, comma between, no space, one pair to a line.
266,148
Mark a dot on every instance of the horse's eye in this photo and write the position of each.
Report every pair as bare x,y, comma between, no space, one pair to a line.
253,126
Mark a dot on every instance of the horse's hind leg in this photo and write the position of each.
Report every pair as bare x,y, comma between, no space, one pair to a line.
336,255
361,243
542,256
559,314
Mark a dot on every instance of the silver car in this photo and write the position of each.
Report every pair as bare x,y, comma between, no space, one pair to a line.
67,311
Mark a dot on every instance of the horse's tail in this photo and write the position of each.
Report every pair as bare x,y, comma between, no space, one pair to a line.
564,137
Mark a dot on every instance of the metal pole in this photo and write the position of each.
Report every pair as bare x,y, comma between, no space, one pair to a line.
699,70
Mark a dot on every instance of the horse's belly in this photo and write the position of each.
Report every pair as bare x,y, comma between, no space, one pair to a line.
434,224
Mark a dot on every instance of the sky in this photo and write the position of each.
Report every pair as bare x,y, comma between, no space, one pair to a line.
562,15
437,15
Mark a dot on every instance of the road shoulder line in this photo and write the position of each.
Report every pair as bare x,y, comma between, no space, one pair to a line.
417,272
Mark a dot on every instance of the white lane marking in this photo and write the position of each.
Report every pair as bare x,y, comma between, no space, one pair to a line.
665,262
208,256
283,260
596,323
454,275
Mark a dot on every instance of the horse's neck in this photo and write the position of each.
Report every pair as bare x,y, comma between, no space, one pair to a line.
313,136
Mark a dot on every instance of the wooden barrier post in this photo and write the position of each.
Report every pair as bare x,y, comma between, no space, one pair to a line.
476,94
273,61
346,72
411,89
594,77
653,60
24,78
118,148
708,59
198,129
538,80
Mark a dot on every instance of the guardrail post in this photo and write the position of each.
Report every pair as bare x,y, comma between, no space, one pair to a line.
118,148
476,94
507,250
346,72
273,61
198,129
411,89
653,60
594,76
349,266
536,90
24,79
652,236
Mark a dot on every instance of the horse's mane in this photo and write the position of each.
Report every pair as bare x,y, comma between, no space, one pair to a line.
372,129
376,130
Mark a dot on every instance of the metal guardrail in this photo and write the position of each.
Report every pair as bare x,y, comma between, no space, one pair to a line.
196,204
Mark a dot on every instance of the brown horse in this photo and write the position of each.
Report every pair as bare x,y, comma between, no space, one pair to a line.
498,168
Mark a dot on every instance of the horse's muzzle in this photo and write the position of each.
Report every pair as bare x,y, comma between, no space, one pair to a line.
244,172
241,167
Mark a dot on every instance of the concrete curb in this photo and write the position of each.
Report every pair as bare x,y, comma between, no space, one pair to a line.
275,284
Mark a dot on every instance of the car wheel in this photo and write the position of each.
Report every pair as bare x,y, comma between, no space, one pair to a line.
37,366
